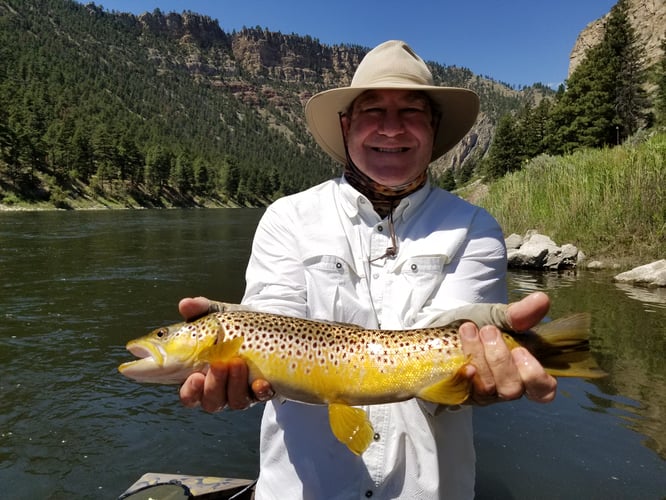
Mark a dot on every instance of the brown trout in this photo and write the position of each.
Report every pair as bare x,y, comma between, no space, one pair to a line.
342,365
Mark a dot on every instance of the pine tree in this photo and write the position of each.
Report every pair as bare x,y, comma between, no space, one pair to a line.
447,180
504,155
629,96
604,95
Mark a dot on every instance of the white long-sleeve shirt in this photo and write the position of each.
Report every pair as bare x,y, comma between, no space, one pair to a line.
313,256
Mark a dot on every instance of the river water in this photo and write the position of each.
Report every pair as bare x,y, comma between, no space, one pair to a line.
75,286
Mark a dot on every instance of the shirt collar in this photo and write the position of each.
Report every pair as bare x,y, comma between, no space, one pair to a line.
355,204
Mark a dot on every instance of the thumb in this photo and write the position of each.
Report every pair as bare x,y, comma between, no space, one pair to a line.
528,312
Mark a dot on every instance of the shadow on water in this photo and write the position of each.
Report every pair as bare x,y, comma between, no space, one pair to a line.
76,286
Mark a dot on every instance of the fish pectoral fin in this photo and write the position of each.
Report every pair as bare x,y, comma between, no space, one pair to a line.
222,351
351,426
450,391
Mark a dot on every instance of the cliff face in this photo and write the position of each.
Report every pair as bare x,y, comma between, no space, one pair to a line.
648,18
279,73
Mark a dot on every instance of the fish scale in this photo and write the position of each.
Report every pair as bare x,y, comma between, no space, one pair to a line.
318,359
342,365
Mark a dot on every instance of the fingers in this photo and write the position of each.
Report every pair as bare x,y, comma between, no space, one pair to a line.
191,391
501,374
192,308
238,390
497,377
262,390
539,386
224,385
214,395
529,311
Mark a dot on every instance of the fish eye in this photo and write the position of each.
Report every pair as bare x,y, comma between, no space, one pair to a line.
161,332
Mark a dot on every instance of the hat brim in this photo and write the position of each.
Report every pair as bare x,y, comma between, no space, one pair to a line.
459,109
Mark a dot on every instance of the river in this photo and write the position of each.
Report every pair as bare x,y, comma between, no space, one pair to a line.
75,286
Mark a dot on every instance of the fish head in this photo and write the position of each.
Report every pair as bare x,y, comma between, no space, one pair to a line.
168,355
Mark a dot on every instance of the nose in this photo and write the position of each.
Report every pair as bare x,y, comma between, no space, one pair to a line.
391,123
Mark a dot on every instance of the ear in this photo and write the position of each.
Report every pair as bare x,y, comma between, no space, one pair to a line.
344,124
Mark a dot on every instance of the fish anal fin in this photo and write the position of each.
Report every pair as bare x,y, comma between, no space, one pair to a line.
350,426
453,390
222,351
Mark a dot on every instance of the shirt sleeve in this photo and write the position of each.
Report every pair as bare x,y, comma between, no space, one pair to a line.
275,278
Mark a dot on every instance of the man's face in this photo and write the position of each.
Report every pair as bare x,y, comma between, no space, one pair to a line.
390,135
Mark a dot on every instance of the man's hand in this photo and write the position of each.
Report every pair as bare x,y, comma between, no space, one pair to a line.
499,374
225,384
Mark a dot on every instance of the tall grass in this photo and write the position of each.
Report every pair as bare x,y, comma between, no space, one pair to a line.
611,203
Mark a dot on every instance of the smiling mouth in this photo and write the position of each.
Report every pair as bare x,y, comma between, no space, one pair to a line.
391,150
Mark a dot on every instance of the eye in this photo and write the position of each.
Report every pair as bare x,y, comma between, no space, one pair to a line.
161,332
413,110
371,110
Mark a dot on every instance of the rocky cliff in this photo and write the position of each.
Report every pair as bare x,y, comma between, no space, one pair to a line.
278,73
648,18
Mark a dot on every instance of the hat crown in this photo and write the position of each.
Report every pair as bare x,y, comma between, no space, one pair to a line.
392,63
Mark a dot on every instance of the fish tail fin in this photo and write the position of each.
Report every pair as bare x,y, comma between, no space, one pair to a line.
222,351
351,426
562,347
450,391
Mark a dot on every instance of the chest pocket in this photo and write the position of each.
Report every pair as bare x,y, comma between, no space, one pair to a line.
417,281
332,286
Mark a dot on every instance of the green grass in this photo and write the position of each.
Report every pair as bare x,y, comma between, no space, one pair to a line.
611,203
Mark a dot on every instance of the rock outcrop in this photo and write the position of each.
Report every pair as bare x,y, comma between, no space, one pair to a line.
536,251
648,18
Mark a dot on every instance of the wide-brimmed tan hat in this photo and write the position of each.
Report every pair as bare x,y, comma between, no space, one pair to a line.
391,65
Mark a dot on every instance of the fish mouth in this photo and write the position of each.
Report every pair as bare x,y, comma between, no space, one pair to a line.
145,350
150,362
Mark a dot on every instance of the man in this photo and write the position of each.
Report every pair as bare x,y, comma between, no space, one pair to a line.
381,248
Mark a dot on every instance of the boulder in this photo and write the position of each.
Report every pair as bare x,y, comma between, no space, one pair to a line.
536,251
651,275
513,242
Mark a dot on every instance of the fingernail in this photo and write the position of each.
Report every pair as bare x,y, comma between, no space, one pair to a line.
468,331
520,356
488,335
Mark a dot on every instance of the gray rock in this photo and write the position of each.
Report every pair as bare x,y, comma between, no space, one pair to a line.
653,274
540,252
513,242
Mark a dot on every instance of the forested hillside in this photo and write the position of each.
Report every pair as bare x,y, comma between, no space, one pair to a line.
168,109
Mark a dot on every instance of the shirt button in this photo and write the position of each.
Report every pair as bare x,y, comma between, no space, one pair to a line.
338,265
368,494
380,228
375,276
415,267
376,436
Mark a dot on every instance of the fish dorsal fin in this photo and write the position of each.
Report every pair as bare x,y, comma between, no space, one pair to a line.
450,391
351,426
222,351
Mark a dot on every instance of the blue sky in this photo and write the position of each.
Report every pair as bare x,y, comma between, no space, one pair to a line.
517,41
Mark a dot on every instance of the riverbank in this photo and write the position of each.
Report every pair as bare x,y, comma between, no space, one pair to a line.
610,203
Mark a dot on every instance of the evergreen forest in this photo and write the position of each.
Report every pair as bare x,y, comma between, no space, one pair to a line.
167,109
